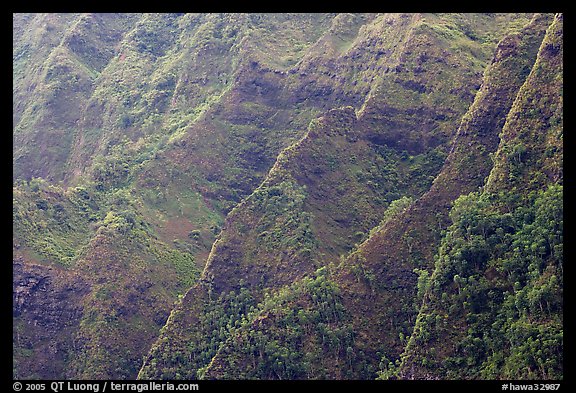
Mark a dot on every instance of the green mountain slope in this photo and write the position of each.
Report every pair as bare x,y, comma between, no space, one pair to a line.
92,286
495,297
58,59
294,222
376,300
287,196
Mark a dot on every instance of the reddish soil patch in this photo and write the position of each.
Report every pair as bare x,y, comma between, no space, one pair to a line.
175,228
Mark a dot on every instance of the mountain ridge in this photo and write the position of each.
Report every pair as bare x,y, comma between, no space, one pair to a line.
267,196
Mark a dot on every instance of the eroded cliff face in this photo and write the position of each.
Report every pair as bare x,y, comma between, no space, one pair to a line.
47,310
34,289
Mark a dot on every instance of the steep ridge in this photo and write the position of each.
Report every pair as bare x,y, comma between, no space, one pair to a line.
493,305
213,90
262,239
266,108
61,227
409,241
377,285
308,163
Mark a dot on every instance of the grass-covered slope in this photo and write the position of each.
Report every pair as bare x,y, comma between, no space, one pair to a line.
92,284
493,307
57,63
